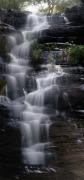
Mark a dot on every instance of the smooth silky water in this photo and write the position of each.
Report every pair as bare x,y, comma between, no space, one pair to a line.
30,107
41,114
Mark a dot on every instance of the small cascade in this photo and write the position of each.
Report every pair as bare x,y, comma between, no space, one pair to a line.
30,107
65,18
34,120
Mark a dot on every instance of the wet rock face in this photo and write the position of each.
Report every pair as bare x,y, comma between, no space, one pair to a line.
4,48
53,56
14,18
4,57
30,84
2,68
76,97
66,131
10,142
76,14
4,116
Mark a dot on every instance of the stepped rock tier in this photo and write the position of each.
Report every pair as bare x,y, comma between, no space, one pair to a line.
41,110
68,26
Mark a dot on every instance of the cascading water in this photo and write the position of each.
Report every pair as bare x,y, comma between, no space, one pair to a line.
41,110
30,109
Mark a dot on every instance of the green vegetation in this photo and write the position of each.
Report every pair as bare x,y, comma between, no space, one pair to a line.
58,5
75,54
37,49
52,5
35,53
11,4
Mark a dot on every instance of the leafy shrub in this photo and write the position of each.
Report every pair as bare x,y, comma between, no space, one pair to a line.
76,54
11,4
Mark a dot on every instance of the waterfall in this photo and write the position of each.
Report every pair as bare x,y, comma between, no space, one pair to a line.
30,109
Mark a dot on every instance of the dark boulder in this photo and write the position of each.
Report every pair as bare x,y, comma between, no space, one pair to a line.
30,83
67,33
10,142
14,17
4,116
75,15
6,28
4,48
76,97
2,67
10,151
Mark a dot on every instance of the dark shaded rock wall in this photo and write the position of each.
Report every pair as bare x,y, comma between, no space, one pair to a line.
75,15
14,18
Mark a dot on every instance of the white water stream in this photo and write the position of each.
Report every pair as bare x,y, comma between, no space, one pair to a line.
33,120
